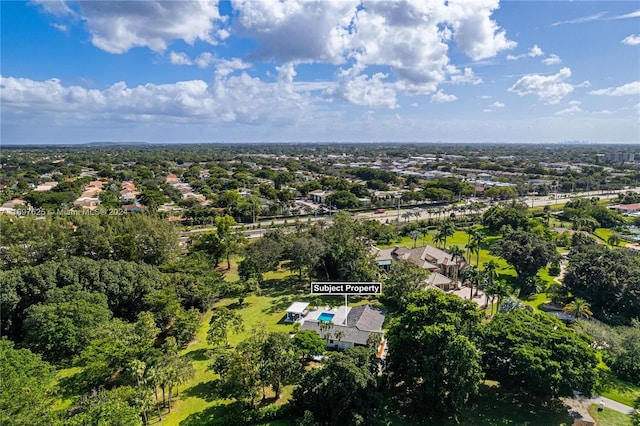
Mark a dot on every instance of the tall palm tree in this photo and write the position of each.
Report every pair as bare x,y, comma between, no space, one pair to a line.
474,276
415,234
579,308
478,239
446,230
501,290
457,255
490,273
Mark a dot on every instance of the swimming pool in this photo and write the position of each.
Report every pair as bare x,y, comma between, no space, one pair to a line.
325,316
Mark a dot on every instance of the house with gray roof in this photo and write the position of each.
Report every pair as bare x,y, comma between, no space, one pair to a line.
440,263
353,330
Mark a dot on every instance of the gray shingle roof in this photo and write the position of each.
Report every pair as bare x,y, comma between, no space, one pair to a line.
362,321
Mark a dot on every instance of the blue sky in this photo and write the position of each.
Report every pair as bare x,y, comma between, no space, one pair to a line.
343,70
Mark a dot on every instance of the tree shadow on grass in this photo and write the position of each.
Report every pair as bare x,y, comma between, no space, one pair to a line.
204,390
216,415
197,355
497,406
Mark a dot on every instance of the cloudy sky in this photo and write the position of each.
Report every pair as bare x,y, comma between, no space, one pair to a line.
340,70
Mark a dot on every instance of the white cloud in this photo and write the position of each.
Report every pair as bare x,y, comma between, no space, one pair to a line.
574,109
632,40
549,88
117,26
363,90
60,27
408,38
600,16
632,88
205,59
485,97
225,67
532,53
440,97
238,98
467,77
635,14
535,51
581,20
475,33
552,59
498,105
179,58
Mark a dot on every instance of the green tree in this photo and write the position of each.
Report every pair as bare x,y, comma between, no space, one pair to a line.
308,343
432,361
445,230
278,362
222,322
62,326
527,253
117,407
304,254
608,279
211,245
578,308
404,278
538,353
27,391
230,239
514,216
614,239
348,385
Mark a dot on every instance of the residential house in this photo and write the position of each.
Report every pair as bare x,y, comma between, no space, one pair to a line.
440,263
319,196
354,329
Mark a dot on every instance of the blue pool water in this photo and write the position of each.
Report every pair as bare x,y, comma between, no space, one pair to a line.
325,316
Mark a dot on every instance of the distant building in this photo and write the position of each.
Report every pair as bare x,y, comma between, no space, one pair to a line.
619,157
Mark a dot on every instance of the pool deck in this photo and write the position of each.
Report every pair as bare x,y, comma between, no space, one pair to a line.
339,314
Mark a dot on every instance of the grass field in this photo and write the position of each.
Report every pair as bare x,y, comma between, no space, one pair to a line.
609,417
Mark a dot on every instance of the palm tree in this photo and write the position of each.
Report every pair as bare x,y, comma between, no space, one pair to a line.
474,276
415,234
457,254
477,239
424,232
614,239
490,273
579,308
501,290
446,230
406,215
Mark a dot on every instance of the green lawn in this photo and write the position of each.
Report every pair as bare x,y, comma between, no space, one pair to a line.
610,386
609,417
492,407
605,233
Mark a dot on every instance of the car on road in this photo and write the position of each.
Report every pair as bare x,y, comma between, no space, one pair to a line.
379,211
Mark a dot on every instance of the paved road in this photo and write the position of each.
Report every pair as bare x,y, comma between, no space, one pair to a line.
391,215
578,406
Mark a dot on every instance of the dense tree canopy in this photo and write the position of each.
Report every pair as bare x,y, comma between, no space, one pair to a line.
432,361
514,216
527,253
609,279
537,353
343,391
63,325
26,394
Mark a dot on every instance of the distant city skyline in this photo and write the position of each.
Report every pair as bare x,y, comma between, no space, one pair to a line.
468,71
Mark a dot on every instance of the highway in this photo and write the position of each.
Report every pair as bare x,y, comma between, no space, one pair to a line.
424,213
